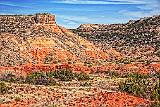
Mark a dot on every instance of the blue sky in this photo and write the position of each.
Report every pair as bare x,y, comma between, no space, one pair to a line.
72,13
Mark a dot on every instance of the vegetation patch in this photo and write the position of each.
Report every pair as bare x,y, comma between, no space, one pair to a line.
86,84
125,61
136,75
158,53
3,88
41,78
112,74
155,104
68,75
9,77
63,74
82,76
139,85
17,98
115,74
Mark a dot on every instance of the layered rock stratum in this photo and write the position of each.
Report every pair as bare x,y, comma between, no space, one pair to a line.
138,40
37,42
38,39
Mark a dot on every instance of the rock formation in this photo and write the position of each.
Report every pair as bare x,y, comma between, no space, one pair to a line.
38,39
138,40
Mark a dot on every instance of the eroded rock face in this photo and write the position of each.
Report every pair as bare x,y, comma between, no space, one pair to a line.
133,39
45,19
41,40
88,27
23,24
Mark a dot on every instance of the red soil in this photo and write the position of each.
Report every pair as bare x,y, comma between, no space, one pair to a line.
109,99
115,99
126,68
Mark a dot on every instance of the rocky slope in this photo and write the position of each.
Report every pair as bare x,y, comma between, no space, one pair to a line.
36,42
138,40
38,39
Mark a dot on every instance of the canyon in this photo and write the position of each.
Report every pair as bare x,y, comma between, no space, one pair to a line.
97,65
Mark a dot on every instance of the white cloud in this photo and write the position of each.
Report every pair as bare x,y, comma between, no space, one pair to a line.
101,2
75,21
139,14
153,5
8,4
150,8
12,4
131,1
6,14
78,19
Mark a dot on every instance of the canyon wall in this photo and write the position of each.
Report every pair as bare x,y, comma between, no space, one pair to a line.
15,24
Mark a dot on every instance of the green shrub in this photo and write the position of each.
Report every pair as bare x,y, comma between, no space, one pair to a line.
124,61
85,84
88,64
20,79
38,78
68,75
53,106
3,88
157,53
48,59
155,104
63,74
146,88
157,75
128,75
147,62
82,77
136,75
112,73
9,77
17,98
12,78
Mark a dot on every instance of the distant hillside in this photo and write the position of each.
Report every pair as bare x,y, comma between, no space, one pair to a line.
38,39
138,40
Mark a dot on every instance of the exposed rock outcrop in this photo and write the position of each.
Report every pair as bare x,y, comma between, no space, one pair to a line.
138,39
38,39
